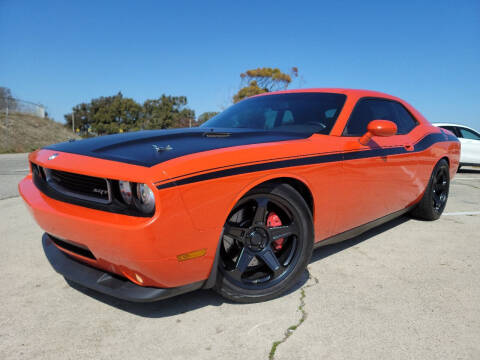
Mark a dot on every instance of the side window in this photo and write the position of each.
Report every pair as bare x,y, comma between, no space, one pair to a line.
449,128
453,129
367,110
362,114
468,134
405,122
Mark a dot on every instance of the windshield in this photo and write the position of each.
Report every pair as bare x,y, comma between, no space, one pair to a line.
292,112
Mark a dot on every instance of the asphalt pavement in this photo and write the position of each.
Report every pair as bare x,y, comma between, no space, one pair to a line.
409,289
13,167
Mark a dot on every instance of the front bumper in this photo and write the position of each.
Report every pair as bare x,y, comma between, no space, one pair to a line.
130,247
105,282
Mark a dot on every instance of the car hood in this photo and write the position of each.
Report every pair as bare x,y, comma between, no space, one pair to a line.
151,147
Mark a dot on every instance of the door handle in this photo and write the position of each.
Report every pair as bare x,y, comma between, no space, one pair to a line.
409,147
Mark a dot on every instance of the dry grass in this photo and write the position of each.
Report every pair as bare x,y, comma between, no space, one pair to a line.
25,133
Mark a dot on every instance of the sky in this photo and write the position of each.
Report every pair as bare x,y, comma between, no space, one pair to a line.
61,53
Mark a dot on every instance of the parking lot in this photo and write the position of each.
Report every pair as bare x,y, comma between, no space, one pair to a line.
406,290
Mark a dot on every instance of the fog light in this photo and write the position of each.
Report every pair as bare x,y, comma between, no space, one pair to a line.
139,278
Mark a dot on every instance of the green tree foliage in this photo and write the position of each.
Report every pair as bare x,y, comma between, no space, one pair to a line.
83,117
262,80
250,90
205,116
113,114
166,112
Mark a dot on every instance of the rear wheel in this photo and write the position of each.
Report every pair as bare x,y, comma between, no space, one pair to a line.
435,197
266,244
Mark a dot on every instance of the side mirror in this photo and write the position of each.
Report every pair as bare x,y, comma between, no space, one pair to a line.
378,128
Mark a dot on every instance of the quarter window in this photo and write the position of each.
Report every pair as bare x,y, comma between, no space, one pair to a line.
367,110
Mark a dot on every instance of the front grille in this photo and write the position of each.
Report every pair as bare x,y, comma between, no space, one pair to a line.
83,186
83,190
73,185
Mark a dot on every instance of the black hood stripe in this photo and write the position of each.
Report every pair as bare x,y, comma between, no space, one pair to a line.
421,145
138,148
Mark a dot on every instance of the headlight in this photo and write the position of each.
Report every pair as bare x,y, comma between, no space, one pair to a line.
126,191
145,199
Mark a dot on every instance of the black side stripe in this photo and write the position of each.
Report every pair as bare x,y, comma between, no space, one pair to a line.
422,145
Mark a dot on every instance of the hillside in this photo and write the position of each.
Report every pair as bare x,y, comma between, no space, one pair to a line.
25,133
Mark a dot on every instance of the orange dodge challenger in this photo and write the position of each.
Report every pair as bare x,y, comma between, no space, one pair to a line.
238,204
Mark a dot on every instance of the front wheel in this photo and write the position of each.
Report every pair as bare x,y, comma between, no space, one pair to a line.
435,197
266,244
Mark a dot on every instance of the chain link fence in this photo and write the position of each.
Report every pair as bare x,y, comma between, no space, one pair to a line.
10,106
25,126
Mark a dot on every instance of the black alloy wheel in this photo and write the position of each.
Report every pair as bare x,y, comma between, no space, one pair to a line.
440,188
266,244
435,198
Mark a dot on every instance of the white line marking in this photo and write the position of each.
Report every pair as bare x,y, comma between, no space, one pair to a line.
466,179
459,213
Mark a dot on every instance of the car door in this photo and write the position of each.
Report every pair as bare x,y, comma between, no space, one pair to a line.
379,178
470,140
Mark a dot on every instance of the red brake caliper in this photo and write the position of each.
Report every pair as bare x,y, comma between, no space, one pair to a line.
272,221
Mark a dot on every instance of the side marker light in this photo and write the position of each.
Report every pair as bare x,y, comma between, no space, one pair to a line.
191,255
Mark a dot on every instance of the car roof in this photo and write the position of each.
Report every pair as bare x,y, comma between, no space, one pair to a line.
355,92
353,95
452,124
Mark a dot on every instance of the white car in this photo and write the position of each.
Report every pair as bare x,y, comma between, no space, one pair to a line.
470,140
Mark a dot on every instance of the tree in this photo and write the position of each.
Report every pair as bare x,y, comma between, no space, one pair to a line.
205,116
113,114
5,92
166,112
106,115
250,90
262,80
83,118
7,99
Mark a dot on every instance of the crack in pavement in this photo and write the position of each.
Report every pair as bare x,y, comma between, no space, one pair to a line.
469,185
9,197
291,329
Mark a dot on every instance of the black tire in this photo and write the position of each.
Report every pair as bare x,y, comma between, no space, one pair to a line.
248,271
435,198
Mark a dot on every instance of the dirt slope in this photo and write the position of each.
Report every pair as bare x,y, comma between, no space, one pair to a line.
25,133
